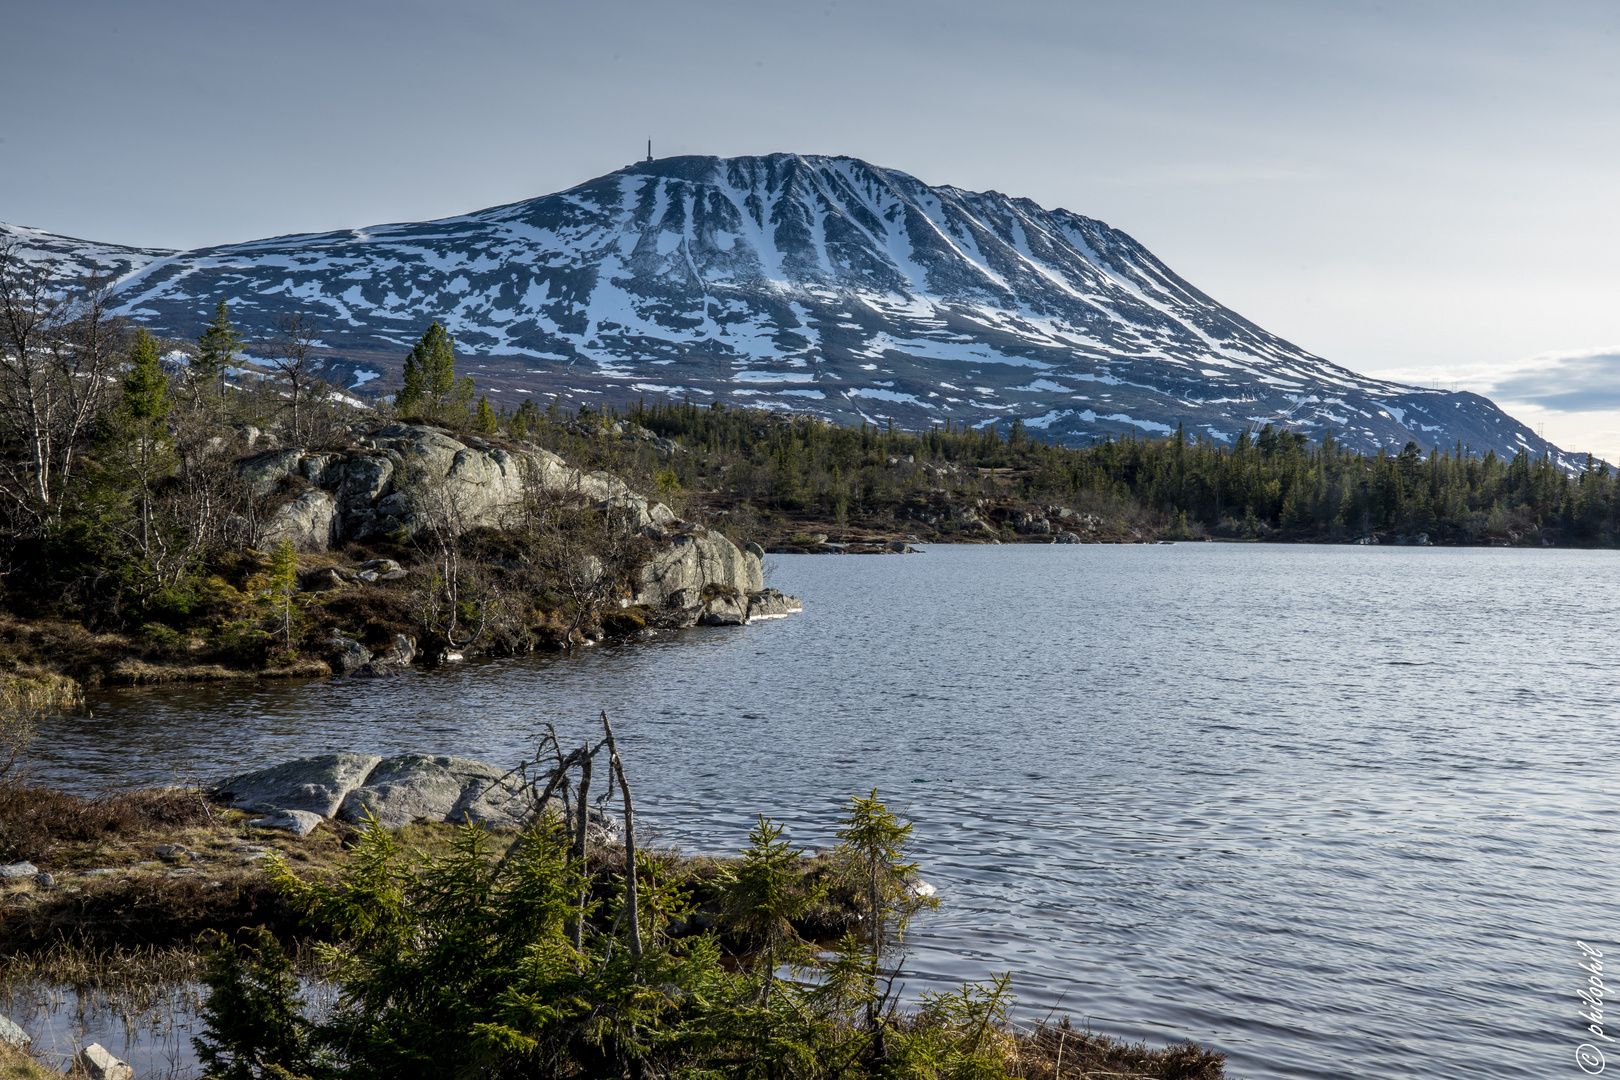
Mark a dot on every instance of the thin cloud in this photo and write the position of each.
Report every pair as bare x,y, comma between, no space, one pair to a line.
1568,382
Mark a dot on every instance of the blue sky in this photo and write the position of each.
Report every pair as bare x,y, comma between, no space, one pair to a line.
1419,190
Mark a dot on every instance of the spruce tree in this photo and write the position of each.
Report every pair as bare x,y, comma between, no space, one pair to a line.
145,400
484,421
411,397
138,426
283,581
430,376
219,347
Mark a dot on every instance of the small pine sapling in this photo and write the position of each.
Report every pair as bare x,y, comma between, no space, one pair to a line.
872,847
763,894
283,582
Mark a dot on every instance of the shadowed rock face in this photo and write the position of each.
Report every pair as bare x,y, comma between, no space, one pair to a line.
820,284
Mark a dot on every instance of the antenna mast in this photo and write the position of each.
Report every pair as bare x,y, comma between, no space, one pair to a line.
649,149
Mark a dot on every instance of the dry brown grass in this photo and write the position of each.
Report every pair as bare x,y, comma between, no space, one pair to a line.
41,825
1053,1051
113,892
19,1065
31,691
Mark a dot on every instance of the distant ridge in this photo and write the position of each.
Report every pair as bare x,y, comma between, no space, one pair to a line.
817,284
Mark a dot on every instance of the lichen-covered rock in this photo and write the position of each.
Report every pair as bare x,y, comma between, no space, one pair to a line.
637,514
11,1033
308,521
97,1062
362,480
321,580
415,787
724,611
347,653
264,471
397,658
678,575
317,784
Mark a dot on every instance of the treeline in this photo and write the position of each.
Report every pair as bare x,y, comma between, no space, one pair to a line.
1267,483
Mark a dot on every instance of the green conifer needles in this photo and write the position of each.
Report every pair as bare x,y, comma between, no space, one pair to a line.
468,965
283,583
145,400
873,847
431,390
218,348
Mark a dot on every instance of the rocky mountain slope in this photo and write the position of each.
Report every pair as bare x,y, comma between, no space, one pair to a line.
817,284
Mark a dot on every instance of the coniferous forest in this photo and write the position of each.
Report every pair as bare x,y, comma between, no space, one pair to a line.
1268,484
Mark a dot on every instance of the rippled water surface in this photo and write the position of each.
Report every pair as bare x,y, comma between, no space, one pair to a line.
1337,811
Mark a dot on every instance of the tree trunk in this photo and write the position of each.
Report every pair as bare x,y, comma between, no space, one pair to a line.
632,897
582,823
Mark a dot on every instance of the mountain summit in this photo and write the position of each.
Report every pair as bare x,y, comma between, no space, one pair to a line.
819,284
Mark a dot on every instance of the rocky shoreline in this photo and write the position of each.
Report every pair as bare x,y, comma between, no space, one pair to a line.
373,526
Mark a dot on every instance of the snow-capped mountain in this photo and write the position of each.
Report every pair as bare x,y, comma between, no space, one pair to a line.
817,284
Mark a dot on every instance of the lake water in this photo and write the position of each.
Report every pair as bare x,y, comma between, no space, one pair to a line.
1337,811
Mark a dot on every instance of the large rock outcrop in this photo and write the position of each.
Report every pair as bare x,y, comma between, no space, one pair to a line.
404,474
415,787
317,784
405,478
702,578
309,521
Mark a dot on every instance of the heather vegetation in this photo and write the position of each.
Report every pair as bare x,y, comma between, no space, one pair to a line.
451,950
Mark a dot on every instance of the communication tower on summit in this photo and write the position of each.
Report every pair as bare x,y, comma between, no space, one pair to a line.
649,149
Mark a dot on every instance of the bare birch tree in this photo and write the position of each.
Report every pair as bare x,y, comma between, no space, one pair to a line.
454,603
291,353
58,351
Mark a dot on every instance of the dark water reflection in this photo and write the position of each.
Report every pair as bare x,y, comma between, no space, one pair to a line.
1338,811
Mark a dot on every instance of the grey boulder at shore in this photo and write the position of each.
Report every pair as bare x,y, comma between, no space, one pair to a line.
316,784
298,795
